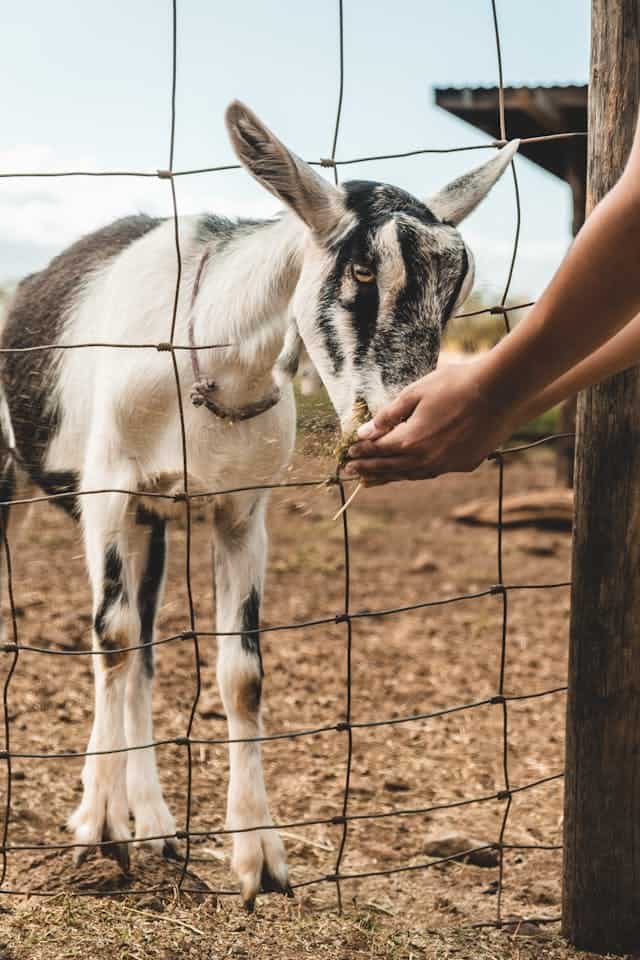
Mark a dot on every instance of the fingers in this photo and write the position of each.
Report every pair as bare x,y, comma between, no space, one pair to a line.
383,469
373,472
367,448
391,444
390,416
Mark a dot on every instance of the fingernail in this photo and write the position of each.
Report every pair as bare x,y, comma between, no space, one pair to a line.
366,430
349,471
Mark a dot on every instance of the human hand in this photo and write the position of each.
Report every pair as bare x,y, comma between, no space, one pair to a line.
442,423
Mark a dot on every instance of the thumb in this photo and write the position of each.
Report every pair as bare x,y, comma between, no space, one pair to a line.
390,416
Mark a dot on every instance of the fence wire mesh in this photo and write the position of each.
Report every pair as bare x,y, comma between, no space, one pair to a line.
344,726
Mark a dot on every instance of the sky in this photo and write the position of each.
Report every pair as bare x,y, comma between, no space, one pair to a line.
89,88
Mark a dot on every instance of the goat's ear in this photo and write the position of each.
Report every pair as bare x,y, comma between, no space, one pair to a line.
316,202
457,200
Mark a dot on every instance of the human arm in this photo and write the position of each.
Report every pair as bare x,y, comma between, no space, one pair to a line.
619,353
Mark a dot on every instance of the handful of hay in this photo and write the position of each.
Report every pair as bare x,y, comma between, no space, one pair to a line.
360,415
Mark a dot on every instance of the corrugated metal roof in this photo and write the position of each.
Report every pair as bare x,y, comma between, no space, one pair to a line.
522,86
533,113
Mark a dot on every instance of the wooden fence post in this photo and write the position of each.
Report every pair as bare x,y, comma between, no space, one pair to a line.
601,908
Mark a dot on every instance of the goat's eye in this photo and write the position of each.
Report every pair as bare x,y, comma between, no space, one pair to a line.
362,274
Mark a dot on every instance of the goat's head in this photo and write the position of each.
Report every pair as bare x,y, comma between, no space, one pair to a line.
381,271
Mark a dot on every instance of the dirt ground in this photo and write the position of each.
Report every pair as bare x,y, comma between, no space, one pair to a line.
404,549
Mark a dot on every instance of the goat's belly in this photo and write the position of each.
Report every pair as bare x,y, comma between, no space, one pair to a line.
145,455
221,456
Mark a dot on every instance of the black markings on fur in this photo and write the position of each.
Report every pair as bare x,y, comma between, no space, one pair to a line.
251,644
457,288
327,299
212,228
408,346
270,884
266,162
363,305
252,137
374,203
151,581
364,312
61,481
251,622
36,316
112,592
112,586
252,694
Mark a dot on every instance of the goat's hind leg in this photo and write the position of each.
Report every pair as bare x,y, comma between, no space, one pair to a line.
103,814
259,859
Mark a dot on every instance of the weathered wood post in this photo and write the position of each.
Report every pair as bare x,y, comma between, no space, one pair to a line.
601,910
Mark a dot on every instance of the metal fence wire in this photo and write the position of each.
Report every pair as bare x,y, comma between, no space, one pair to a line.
344,726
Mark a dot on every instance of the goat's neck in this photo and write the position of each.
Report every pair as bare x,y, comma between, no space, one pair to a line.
245,293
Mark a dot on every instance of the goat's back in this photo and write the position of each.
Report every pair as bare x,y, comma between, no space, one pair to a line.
36,317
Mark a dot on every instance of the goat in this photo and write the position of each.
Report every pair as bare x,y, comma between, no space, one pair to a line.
365,275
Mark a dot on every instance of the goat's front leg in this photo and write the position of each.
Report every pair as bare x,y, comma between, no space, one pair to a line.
103,814
259,859
147,540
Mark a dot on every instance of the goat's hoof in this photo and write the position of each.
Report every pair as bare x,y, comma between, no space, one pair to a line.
82,854
260,863
170,851
92,833
271,884
111,850
268,884
155,826
118,852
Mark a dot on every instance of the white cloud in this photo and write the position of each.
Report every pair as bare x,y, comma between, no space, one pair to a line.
41,216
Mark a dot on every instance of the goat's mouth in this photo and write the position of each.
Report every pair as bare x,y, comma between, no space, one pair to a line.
360,414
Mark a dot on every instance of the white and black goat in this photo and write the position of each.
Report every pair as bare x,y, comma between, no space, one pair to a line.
365,274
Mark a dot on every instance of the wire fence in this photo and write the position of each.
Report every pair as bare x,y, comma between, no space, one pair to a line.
345,726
